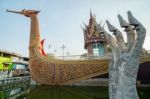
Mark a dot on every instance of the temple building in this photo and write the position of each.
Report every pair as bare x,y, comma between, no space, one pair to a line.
94,42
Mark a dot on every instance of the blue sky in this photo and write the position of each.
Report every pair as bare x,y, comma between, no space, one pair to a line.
60,22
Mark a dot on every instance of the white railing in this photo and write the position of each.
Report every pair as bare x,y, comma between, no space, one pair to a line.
80,57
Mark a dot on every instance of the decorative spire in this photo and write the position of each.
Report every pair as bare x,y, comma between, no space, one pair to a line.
86,26
91,16
84,30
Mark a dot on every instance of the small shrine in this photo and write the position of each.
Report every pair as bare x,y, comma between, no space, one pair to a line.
94,42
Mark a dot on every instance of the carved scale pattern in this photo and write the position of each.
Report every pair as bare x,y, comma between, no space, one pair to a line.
74,72
60,72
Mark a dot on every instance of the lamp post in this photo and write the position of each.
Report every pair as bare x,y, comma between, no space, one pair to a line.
63,48
49,47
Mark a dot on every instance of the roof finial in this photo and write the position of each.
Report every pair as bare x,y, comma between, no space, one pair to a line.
91,14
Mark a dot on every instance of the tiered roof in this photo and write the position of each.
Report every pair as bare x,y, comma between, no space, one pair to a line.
91,34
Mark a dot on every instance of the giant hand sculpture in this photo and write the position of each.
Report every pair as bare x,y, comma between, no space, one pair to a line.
125,62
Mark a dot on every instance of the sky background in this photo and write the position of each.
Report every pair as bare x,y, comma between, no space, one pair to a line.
60,22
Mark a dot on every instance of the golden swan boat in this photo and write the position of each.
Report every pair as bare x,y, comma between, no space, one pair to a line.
50,71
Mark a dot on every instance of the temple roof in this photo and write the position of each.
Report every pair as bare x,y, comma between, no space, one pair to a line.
91,34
